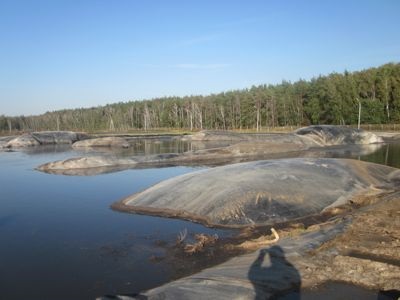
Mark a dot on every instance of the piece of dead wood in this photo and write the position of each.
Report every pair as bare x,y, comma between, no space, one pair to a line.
261,241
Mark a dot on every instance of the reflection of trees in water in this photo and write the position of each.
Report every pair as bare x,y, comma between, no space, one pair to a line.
388,155
278,279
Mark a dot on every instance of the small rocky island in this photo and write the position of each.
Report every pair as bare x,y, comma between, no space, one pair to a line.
261,192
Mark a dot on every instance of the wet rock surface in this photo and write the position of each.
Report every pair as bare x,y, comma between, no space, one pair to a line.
25,140
209,135
45,138
359,248
99,164
322,135
326,135
102,142
261,192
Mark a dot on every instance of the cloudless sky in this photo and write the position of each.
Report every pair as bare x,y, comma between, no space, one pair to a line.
59,54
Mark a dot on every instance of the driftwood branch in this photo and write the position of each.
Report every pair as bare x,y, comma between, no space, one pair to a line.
261,241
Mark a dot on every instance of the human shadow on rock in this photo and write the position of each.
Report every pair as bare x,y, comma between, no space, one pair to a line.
278,280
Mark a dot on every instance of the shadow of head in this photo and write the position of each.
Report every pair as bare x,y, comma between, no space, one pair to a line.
275,252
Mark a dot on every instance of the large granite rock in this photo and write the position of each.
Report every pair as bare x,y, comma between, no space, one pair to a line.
327,135
99,164
25,140
260,192
102,142
45,138
315,135
209,135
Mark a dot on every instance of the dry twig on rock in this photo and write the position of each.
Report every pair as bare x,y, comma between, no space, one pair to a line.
261,241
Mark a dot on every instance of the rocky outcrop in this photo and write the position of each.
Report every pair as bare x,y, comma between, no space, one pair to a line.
360,248
99,164
45,138
321,135
209,135
261,192
241,147
102,142
25,140
245,277
328,135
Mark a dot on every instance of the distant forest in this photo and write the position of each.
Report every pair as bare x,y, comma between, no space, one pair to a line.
331,99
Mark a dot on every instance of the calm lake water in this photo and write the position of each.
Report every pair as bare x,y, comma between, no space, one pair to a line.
60,240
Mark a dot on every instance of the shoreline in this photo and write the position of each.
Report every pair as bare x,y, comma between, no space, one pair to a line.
333,250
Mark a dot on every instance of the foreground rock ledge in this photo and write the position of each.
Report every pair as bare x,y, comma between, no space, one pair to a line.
360,248
261,192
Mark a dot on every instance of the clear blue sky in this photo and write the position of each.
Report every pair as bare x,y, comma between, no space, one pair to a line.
65,54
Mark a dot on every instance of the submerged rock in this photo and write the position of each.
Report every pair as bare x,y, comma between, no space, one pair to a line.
102,142
260,192
327,135
45,138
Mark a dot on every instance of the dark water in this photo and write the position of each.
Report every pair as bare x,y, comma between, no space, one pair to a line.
60,240
388,155
385,154
329,291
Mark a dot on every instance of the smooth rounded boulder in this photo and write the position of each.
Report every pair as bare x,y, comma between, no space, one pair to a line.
45,138
328,135
102,142
25,140
260,192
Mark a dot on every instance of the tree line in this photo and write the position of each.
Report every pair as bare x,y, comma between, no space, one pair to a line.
331,99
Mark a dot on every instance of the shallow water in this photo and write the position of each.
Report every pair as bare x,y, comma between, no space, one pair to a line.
59,239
